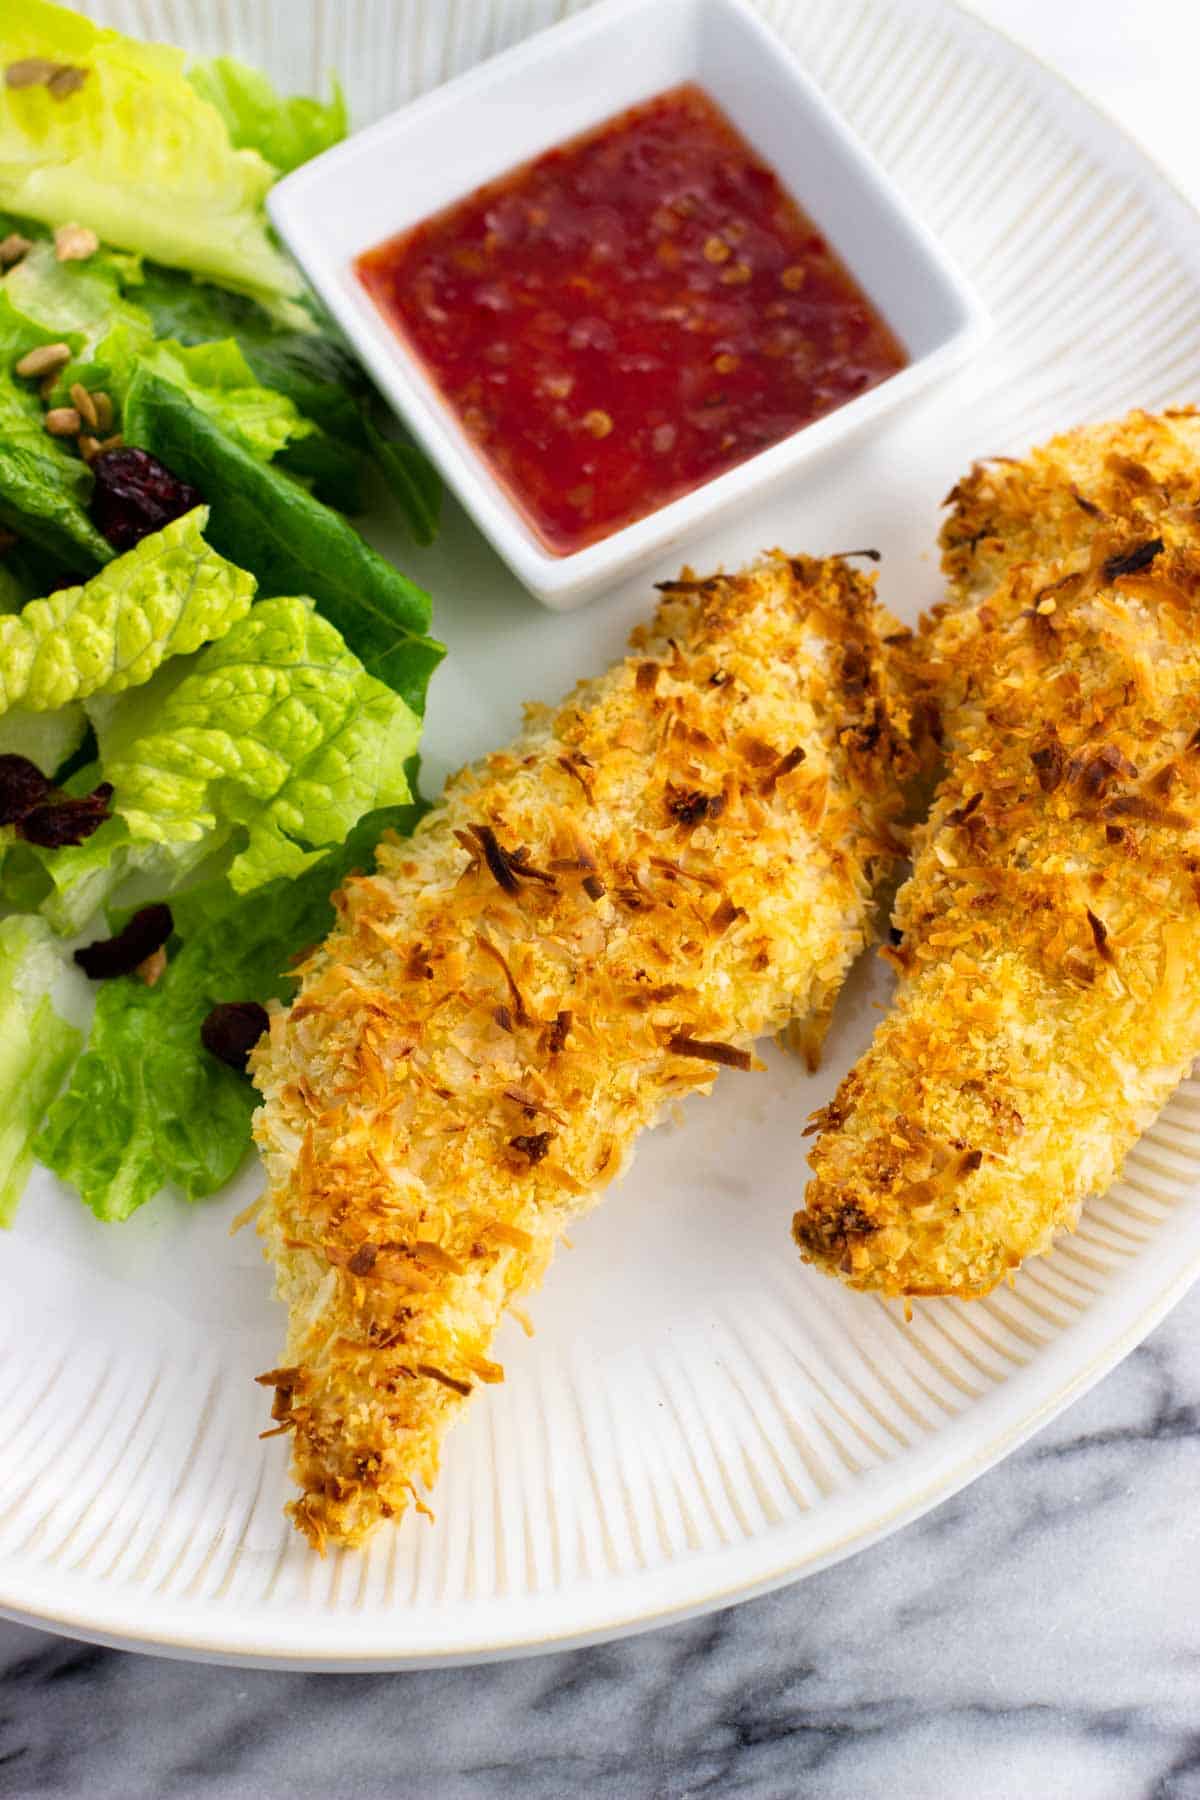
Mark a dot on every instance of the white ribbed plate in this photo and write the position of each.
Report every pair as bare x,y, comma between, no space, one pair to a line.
698,1416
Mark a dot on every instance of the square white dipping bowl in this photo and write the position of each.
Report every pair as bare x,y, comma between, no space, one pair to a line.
545,91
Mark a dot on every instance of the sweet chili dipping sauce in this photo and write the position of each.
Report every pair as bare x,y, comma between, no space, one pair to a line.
629,316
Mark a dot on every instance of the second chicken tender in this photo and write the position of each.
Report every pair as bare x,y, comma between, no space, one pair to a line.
1054,501
681,857
1049,954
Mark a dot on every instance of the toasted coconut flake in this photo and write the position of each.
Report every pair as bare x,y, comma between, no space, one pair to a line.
451,1381
1100,936
509,867
790,760
521,1012
708,1051
1131,562
724,914
579,769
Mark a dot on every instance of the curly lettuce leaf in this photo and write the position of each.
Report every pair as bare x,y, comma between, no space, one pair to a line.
164,598
37,1048
286,131
134,151
293,543
276,731
148,1105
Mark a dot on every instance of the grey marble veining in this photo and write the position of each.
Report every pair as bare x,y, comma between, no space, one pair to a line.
1038,1636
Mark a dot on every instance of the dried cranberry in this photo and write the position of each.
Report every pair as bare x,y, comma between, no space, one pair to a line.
232,1029
147,931
22,787
65,820
135,494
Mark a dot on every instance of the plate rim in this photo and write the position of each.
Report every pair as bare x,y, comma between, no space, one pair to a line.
236,1647
248,1639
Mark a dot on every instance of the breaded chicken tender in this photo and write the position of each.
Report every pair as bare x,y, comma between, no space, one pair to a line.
682,856
1049,937
1007,512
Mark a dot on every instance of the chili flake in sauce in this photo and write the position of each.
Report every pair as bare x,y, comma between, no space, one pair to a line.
630,315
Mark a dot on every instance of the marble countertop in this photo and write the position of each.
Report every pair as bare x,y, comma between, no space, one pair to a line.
1038,1635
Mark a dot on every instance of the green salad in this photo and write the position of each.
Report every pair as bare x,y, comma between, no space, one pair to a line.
211,686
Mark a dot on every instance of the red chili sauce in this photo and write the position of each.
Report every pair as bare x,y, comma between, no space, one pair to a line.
629,316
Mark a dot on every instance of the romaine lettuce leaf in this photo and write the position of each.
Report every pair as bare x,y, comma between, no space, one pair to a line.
303,393
277,731
79,303
148,1104
215,377
163,598
412,479
134,152
69,885
13,592
286,131
258,753
37,1048
43,488
46,738
26,572
82,303
329,468
293,544
315,371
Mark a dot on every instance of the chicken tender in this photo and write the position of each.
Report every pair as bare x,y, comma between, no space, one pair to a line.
1054,502
682,856
1049,937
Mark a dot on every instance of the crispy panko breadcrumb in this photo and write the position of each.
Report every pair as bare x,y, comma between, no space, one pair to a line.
1049,956
682,856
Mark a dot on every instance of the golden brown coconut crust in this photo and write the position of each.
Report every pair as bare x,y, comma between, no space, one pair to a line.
681,857
1049,954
